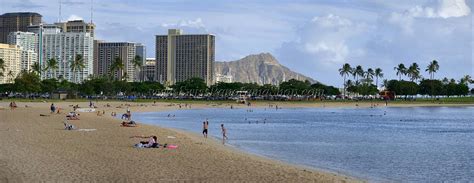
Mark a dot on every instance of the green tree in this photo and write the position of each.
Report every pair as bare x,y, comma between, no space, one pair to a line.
345,71
328,90
369,75
294,86
11,76
357,72
432,68
2,67
137,63
52,66
402,87
431,87
36,68
414,72
49,86
378,74
117,66
466,79
190,86
77,65
28,82
401,70
122,86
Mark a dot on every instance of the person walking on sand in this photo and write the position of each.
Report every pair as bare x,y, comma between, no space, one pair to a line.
205,127
224,134
52,108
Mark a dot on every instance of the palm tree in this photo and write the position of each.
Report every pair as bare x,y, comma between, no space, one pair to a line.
52,65
369,75
117,65
465,80
432,68
137,62
445,80
345,71
77,65
125,76
36,68
385,83
10,76
358,72
401,70
414,72
2,66
378,74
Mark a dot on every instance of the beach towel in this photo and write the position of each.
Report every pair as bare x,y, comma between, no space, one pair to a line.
86,130
171,137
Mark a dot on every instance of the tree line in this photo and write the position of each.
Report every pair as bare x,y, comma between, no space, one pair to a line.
362,82
29,82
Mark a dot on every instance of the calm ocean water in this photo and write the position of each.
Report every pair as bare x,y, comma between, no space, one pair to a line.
427,144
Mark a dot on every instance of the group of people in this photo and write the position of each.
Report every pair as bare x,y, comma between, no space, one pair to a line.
205,131
13,105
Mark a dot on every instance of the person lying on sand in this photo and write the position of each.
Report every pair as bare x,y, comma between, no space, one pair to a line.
68,126
72,116
151,143
44,115
129,124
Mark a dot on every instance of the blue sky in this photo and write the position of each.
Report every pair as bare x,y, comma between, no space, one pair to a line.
313,37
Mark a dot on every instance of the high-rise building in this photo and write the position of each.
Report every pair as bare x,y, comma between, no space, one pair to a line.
76,26
107,52
183,56
65,47
148,71
11,55
12,22
40,30
28,43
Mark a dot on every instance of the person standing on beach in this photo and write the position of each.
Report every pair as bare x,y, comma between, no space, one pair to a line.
205,127
52,108
224,134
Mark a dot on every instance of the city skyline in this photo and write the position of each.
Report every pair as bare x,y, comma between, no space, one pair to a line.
313,38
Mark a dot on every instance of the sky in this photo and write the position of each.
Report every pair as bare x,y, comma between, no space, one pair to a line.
312,37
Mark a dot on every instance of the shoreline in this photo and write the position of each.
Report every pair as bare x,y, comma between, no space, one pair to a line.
51,152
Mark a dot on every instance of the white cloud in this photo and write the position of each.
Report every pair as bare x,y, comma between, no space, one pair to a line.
453,8
74,17
198,23
331,21
445,9
326,37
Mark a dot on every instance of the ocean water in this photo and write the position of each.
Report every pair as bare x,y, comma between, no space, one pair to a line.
412,144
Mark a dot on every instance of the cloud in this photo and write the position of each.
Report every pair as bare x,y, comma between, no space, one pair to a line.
197,24
74,17
445,9
453,8
323,44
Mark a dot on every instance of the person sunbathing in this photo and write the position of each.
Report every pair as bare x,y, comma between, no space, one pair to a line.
68,126
151,143
129,124
72,116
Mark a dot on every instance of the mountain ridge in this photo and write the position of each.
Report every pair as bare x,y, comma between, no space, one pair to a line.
262,68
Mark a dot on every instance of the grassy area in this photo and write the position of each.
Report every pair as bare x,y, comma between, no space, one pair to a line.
460,100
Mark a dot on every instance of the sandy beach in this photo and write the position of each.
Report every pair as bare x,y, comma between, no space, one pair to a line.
37,148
